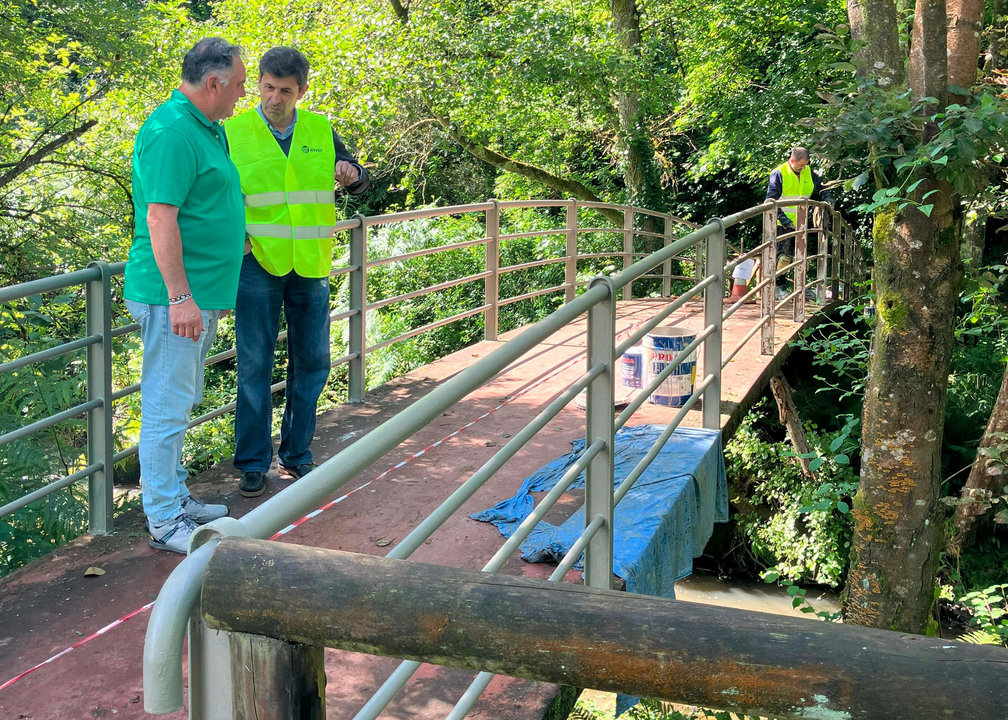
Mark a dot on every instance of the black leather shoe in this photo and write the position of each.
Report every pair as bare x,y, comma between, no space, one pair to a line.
294,473
253,484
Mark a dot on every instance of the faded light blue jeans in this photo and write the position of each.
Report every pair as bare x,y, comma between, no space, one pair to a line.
171,385
305,304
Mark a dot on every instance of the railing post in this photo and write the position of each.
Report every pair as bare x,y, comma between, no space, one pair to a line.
698,263
356,382
492,282
600,425
822,234
834,256
801,260
769,262
100,447
667,265
849,272
570,265
211,669
713,311
628,238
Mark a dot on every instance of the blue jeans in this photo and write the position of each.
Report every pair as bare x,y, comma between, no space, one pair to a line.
171,385
305,304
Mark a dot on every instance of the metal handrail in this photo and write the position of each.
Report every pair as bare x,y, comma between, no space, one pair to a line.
307,494
90,274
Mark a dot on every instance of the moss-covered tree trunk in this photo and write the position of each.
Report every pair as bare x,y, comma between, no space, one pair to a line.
898,522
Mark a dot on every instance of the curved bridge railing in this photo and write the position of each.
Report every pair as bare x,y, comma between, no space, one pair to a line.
829,274
579,241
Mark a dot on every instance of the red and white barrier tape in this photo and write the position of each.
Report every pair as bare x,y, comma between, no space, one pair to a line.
314,513
111,626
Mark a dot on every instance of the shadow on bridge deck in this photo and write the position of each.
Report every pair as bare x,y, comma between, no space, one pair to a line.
51,606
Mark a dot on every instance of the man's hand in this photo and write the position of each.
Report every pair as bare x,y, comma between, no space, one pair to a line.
346,173
186,319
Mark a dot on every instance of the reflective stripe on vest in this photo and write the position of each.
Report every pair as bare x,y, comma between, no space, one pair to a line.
298,197
267,231
287,199
795,186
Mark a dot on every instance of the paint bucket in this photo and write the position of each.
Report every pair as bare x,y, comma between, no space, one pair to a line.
632,367
663,344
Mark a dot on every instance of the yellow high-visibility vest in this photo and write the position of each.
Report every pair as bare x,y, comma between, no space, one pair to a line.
793,186
289,200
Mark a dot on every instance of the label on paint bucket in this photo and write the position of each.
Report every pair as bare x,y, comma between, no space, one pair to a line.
632,367
664,345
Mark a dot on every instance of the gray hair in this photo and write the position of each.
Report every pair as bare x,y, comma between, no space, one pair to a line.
283,62
210,55
799,153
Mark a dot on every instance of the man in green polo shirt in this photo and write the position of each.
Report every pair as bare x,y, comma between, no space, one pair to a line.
182,273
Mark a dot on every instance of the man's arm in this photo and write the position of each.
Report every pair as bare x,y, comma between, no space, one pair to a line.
349,173
166,243
818,191
773,192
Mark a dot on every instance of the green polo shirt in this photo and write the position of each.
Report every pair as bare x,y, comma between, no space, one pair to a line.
180,158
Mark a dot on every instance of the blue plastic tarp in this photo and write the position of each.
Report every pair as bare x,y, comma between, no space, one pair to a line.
661,524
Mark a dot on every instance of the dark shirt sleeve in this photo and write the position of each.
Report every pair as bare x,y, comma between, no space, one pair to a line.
818,191
343,154
773,192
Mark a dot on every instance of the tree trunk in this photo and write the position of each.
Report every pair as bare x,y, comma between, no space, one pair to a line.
873,26
988,468
898,521
965,20
401,11
927,69
633,148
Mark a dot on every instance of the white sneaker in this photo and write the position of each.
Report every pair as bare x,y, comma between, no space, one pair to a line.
202,512
173,535
780,292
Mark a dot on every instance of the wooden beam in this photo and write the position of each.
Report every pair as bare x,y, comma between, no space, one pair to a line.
276,680
567,634
784,396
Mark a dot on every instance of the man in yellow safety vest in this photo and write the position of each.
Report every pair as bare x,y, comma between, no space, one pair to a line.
793,178
290,161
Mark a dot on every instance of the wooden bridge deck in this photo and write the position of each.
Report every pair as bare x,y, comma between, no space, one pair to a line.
51,605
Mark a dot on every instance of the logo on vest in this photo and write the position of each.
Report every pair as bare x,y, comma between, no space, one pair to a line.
305,149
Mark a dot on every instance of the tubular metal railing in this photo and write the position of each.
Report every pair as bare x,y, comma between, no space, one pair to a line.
838,265
97,282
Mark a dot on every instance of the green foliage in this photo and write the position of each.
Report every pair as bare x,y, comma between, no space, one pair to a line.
879,136
651,709
989,610
839,348
750,70
798,526
67,69
27,395
410,275
41,527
